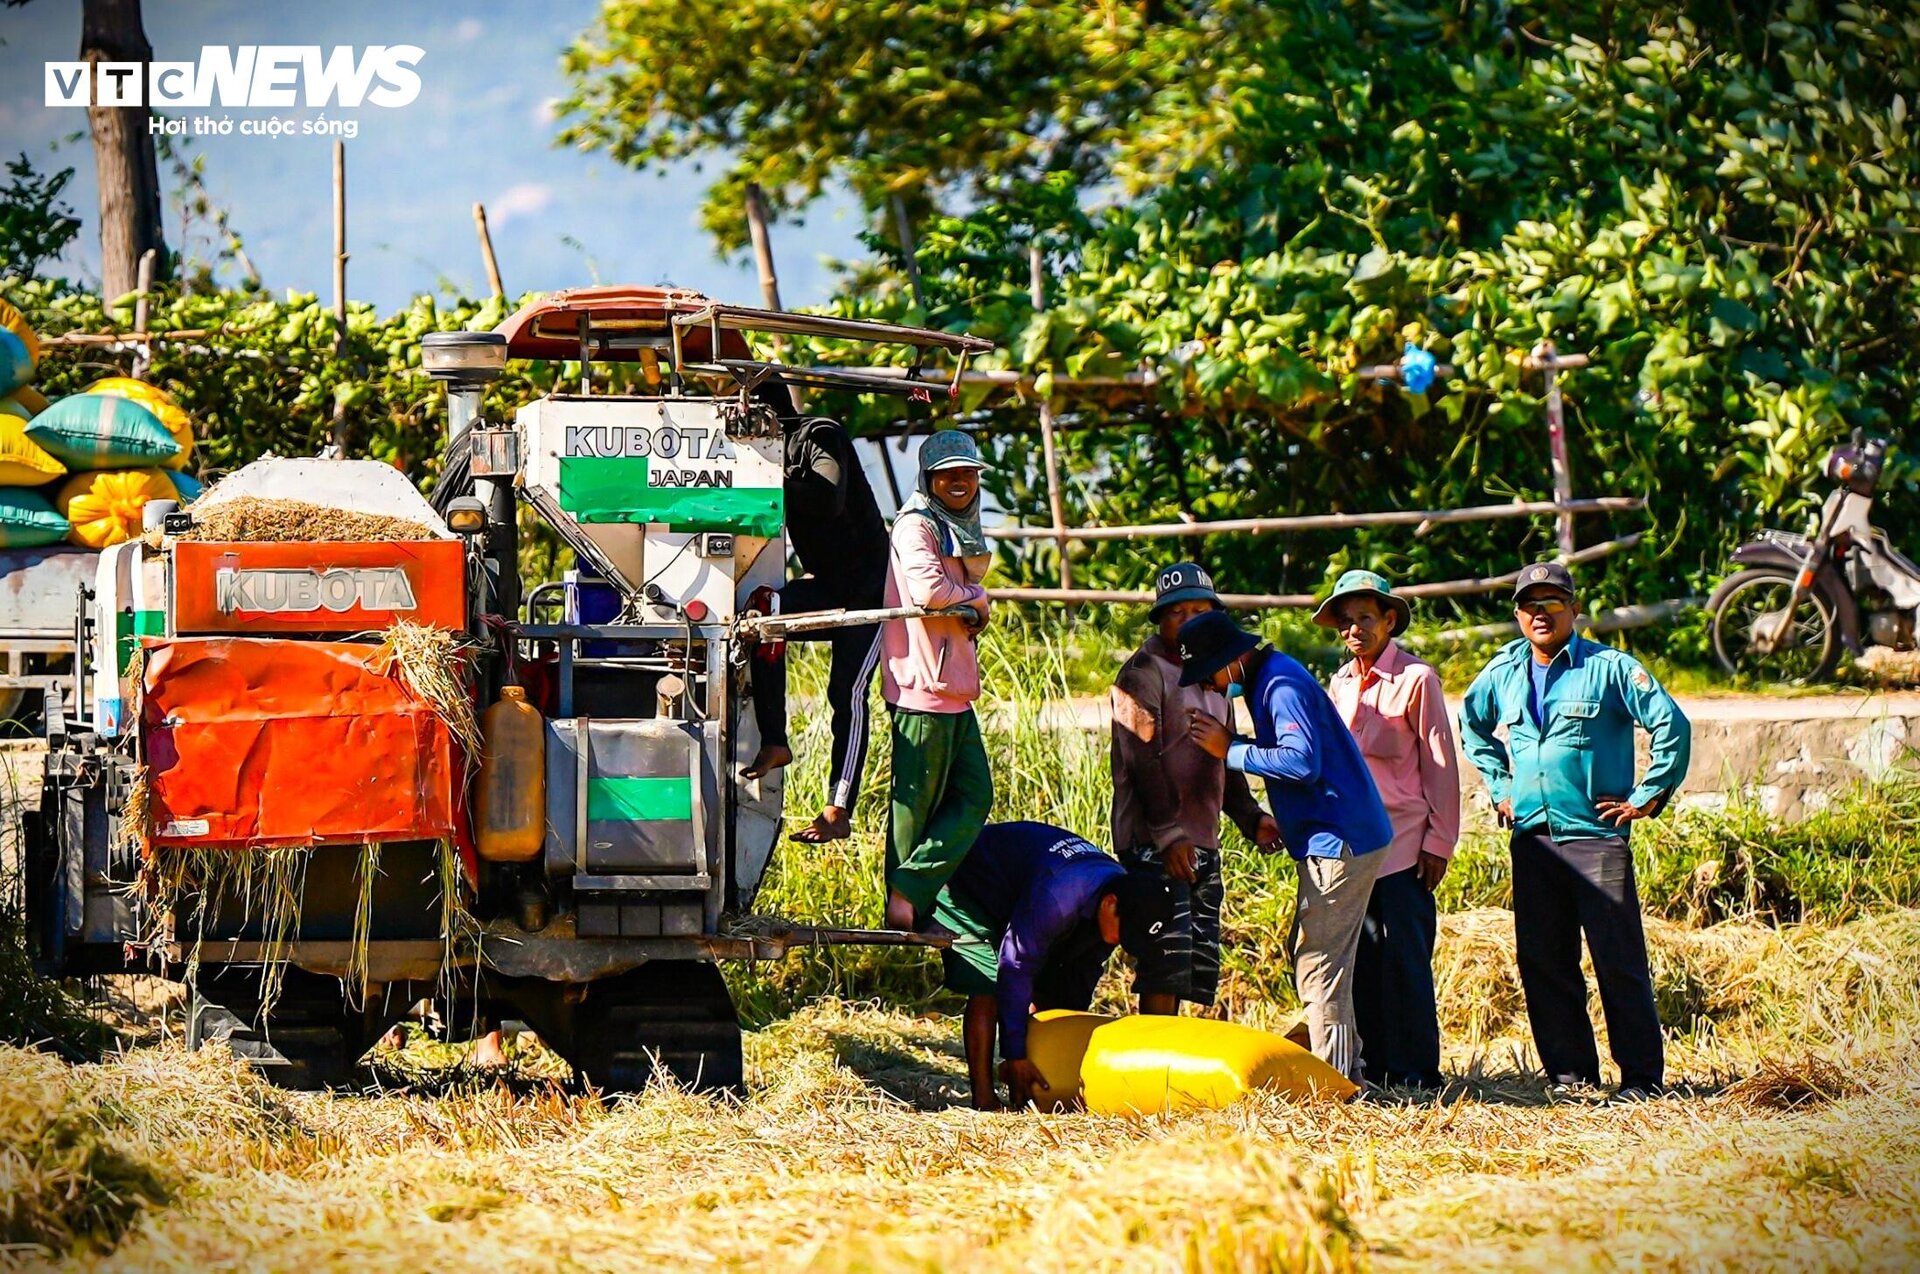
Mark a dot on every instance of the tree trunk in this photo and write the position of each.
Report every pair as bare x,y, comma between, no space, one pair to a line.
123,150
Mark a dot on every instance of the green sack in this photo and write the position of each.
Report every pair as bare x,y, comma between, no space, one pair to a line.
187,485
27,520
103,431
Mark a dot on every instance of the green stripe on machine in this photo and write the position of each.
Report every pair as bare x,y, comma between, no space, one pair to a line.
629,799
129,627
615,489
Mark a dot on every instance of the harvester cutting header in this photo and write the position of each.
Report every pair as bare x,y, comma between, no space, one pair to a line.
324,734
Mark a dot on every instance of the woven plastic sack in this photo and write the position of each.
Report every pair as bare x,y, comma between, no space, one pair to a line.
159,402
103,431
19,349
104,508
186,484
1146,1065
27,520
23,462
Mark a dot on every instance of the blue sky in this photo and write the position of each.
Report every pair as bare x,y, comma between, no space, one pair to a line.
481,129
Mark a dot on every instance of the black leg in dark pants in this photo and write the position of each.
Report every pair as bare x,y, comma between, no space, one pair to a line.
1393,998
856,654
1562,889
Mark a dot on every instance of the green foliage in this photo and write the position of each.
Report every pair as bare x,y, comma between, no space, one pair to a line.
1712,201
36,224
924,99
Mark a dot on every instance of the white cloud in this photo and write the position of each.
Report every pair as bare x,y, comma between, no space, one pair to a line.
545,112
528,199
468,30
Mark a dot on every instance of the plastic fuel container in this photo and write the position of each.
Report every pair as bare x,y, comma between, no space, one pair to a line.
511,805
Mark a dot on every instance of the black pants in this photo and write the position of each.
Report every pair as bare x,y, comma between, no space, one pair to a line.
1562,889
1189,967
1393,1002
856,653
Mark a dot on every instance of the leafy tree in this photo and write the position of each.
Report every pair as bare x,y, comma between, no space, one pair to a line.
36,224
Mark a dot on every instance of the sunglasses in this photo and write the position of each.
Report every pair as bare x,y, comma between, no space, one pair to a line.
1543,606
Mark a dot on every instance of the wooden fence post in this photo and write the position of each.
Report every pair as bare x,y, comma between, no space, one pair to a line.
486,251
1544,358
339,431
769,280
1037,282
143,353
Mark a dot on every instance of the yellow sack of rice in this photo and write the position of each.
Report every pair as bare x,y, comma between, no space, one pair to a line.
23,462
1146,1065
19,349
104,507
160,403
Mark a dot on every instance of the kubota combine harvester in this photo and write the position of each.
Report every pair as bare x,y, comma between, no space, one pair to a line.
254,788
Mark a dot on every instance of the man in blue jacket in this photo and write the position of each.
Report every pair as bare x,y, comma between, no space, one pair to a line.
1564,782
1330,814
1035,911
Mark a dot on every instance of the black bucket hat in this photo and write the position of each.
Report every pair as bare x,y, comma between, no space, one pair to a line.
1209,643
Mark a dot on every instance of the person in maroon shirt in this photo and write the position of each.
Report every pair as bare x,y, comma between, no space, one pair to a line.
1168,793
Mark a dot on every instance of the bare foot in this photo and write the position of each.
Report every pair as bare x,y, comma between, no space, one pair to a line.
832,824
989,1104
396,1037
488,1053
770,758
899,911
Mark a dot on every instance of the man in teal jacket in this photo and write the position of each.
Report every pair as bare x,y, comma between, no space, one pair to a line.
1563,780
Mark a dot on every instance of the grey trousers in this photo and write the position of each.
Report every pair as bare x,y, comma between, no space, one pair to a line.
1326,937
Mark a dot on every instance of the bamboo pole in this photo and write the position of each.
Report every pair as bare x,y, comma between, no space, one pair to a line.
909,252
1324,521
1545,358
338,434
1262,601
1037,286
486,250
143,353
769,279
1617,619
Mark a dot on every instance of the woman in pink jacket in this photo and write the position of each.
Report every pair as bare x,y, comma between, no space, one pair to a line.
942,787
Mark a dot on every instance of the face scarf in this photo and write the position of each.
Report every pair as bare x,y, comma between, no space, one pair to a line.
959,530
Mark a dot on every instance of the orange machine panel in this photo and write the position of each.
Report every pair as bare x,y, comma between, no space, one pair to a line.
317,587
253,742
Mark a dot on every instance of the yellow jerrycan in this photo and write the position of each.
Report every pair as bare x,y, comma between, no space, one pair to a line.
510,805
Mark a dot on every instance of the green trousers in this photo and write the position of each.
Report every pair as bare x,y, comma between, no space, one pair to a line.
942,793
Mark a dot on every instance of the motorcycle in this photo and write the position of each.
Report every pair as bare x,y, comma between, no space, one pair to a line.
1798,601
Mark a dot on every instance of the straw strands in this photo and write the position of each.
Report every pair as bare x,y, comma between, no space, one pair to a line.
259,520
848,1154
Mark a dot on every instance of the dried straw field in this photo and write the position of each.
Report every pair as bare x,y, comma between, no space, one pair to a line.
1785,963
1797,1147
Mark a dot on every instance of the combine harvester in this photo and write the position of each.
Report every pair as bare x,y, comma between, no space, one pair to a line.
268,794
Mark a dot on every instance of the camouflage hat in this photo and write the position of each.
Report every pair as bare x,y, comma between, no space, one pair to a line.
949,449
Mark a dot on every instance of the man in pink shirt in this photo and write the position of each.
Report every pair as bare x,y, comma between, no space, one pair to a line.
1393,704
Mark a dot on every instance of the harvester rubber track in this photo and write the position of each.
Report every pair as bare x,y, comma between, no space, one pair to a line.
667,1015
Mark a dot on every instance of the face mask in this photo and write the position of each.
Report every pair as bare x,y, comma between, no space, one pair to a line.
1234,689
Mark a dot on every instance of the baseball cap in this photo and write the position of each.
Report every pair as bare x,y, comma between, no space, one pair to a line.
1182,582
1146,915
1544,575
